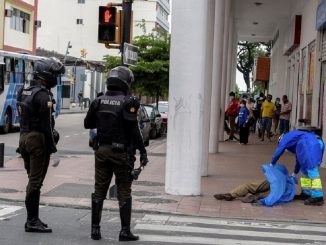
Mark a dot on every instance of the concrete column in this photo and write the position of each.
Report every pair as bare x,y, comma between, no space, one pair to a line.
208,84
232,49
217,75
186,97
226,47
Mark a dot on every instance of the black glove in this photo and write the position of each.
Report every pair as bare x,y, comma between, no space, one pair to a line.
143,159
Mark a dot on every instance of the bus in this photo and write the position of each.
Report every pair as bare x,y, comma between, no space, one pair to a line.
16,71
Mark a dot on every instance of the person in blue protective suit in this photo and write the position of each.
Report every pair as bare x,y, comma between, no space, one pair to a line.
308,149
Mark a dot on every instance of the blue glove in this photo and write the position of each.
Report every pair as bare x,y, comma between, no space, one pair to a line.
271,164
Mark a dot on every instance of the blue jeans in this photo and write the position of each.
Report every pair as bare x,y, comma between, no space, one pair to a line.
284,126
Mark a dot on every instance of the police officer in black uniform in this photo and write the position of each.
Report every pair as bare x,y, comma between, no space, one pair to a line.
114,115
37,135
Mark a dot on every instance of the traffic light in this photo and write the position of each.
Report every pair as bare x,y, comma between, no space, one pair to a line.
83,53
109,25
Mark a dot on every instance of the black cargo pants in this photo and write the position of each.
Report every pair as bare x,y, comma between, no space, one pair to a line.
108,163
33,149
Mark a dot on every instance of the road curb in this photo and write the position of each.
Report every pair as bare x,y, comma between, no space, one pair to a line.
161,212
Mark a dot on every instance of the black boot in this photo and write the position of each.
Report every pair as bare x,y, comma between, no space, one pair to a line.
314,201
33,223
97,206
125,217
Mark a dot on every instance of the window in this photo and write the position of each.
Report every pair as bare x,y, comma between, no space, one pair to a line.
81,1
80,22
2,77
20,21
28,71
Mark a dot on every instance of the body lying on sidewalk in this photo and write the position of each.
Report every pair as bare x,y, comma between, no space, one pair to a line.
248,193
278,188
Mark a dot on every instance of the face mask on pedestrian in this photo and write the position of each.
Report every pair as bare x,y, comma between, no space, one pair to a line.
277,101
231,97
242,105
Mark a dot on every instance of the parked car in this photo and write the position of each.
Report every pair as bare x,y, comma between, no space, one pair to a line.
144,125
163,108
156,121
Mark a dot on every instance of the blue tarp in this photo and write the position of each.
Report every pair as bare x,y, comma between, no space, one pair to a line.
282,186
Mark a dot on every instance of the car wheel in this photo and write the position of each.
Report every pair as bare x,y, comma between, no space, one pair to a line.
7,122
153,133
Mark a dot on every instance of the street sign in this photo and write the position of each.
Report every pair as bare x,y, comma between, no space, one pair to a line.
130,55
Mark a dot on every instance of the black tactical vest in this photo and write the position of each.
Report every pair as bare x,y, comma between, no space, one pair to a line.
29,117
109,119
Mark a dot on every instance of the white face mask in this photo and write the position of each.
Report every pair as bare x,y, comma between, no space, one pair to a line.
231,97
242,105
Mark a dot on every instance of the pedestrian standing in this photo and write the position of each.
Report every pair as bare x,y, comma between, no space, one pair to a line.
308,149
285,115
257,112
114,115
232,112
276,118
243,118
267,111
38,138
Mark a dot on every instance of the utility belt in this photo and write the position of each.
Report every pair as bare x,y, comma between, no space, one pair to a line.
115,147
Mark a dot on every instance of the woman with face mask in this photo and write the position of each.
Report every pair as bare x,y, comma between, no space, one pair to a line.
243,118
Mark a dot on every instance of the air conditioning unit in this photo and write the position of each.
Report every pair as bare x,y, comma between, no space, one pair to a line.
37,23
8,12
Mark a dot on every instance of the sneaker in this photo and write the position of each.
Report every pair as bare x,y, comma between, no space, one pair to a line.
314,201
226,197
302,196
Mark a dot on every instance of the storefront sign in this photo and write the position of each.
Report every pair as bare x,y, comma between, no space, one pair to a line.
321,16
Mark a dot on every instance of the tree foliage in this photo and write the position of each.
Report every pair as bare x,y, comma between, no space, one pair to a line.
247,52
152,70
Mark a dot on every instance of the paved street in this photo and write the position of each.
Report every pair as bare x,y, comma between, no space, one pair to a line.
73,137
72,226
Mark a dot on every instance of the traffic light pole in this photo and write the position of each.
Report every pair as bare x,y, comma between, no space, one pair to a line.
127,9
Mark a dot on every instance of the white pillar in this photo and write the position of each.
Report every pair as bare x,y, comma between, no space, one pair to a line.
186,97
230,69
217,75
226,47
208,84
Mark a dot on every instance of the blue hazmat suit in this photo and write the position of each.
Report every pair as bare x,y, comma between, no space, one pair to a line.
282,186
306,147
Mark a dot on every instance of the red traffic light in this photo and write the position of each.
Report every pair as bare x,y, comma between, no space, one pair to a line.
107,15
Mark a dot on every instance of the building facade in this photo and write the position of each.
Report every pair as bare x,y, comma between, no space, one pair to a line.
60,24
2,18
19,26
203,67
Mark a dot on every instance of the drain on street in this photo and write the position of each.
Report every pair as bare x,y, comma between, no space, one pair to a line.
147,183
156,200
145,193
5,190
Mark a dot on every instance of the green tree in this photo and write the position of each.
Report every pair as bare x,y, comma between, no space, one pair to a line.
152,70
247,51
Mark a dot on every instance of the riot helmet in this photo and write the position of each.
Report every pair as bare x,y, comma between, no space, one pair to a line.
47,70
120,78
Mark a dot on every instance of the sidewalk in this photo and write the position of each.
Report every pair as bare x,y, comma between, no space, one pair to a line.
74,108
71,183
